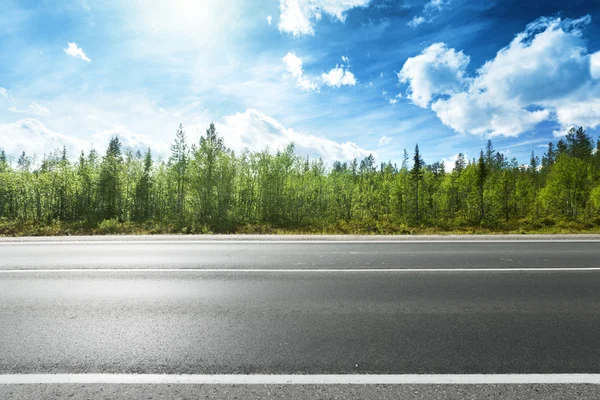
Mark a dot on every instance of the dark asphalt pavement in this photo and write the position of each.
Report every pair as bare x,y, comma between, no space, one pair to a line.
294,392
206,322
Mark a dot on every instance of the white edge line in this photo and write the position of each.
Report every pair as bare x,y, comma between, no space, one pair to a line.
244,241
19,379
296,270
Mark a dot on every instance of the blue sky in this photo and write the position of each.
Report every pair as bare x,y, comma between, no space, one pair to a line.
340,78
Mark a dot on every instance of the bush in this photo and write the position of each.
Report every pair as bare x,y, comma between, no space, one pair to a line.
109,226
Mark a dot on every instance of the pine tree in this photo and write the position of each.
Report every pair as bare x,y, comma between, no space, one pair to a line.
460,163
417,175
550,156
24,162
482,173
582,147
3,161
490,155
561,148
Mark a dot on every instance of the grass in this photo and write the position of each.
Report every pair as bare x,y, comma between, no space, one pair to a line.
16,228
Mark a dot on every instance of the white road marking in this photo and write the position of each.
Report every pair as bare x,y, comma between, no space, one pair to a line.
300,241
471,379
294,270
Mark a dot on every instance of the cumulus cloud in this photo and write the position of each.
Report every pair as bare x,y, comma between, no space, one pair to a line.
3,92
256,131
39,109
297,16
339,76
293,64
580,113
595,65
34,108
544,73
449,162
437,70
129,140
76,52
269,20
33,137
384,141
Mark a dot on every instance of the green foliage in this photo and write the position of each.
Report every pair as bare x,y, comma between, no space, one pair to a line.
204,187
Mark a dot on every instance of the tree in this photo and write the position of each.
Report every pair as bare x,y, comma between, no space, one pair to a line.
4,166
206,174
417,175
561,147
144,189
490,155
460,163
482,173
179,165
582,146
207,187
567,189
550,156
109,181
24,162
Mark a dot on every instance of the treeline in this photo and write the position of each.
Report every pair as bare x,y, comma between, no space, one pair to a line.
206,187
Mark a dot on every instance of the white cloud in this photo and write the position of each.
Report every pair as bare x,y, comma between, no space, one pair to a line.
595,65
129,140
76,52
3,92
545,72
394,100
449,162
384,141
474,114
297,16
294,68
269,20
256,131
339,76
250,129
437,70
430,11
580,113
39,109
34,108
416,21
345,59
436,4
33,137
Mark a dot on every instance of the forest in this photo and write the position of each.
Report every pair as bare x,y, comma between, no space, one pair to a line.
205,187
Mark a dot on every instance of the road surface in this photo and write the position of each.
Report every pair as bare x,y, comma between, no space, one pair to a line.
286,308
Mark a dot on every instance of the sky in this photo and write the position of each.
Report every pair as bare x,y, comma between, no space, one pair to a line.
342,79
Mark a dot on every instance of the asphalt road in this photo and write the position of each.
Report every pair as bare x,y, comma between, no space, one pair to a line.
277,255
501,315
